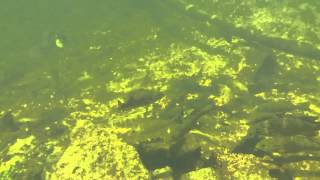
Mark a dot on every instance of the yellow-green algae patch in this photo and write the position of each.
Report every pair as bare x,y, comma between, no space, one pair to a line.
97,153
243,166
18,158
204,173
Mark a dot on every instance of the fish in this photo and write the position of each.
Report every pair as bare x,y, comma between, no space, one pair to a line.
286,126
9,130
140,97
292,144
265,74
7,123
248,146
279,107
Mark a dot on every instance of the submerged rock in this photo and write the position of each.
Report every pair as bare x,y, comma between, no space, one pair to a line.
163,173
97,153
204,173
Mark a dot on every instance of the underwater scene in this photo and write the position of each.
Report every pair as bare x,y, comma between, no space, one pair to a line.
160,89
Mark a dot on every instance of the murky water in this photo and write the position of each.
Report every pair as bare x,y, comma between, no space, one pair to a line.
165,89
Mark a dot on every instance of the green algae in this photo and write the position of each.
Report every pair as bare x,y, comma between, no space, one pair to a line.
97,153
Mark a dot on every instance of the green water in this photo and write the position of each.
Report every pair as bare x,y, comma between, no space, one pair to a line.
150,89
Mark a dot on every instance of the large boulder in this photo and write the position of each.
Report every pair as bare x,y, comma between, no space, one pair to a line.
97,153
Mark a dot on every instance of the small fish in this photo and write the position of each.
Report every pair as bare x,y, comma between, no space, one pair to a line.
265,74
7,123
247,145
293,144
178,88
279,107
286,126
140,97
9,130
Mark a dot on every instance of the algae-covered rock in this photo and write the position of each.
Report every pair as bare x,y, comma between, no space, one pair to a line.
163,173
13,163
204,173
242,166
97,153
23,159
